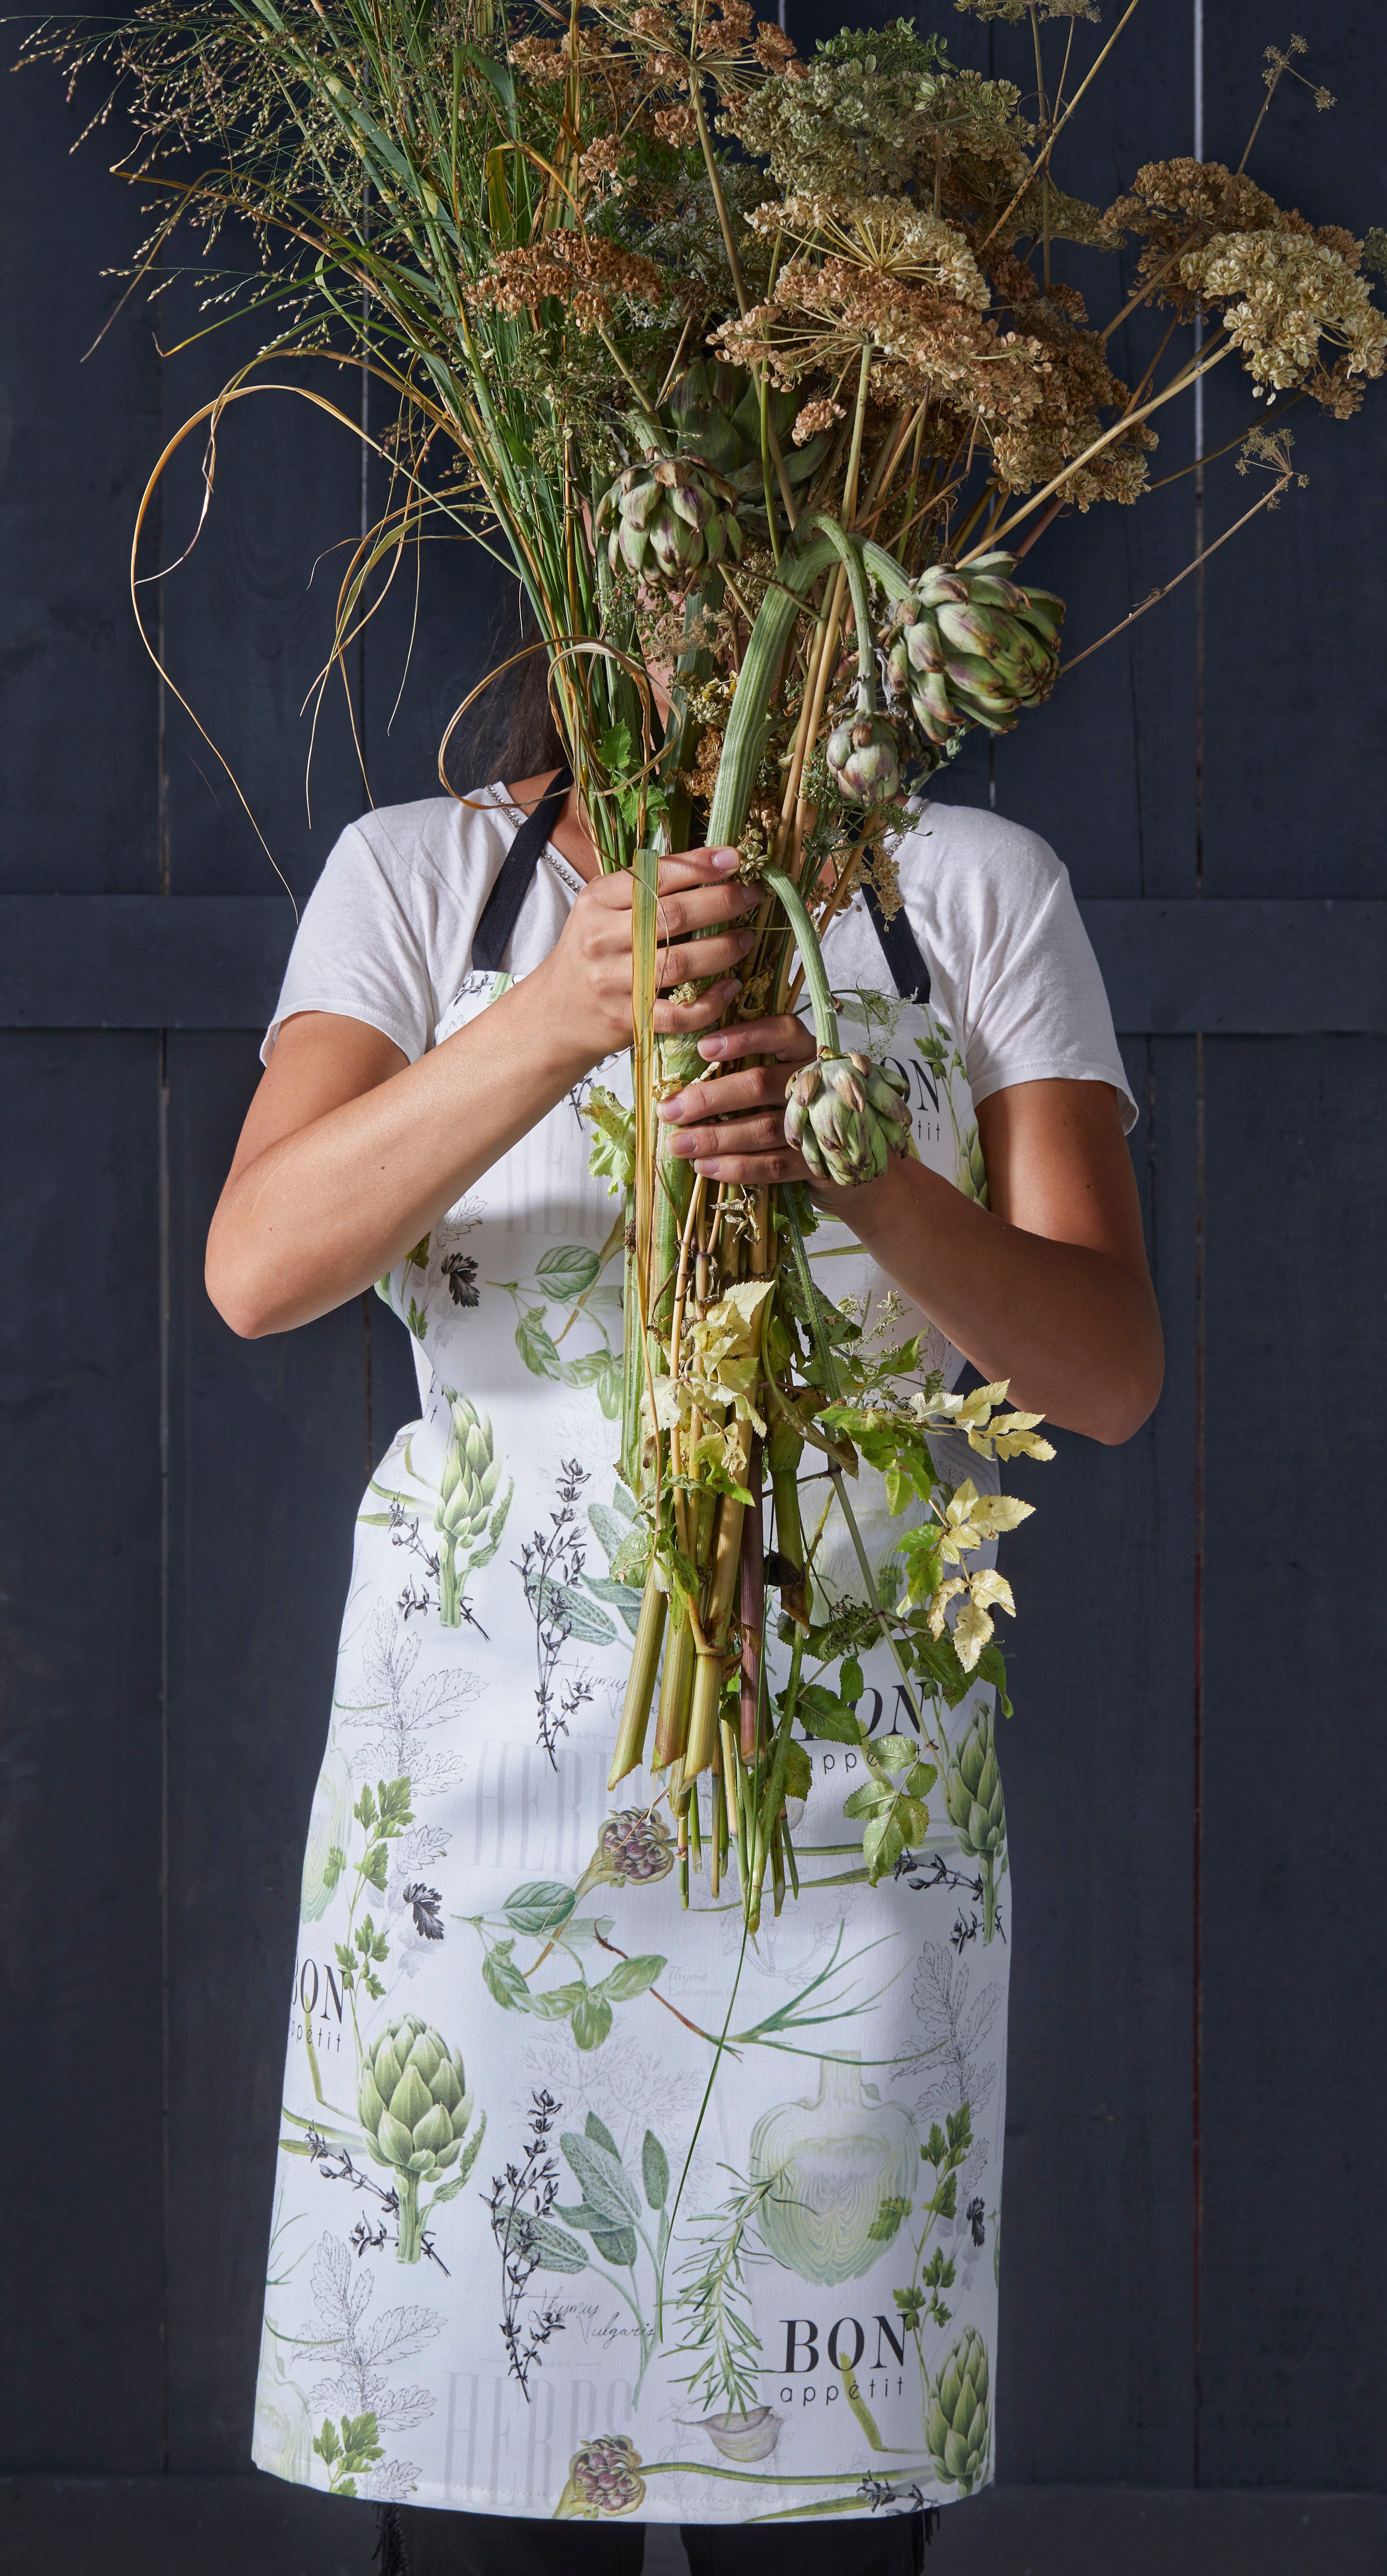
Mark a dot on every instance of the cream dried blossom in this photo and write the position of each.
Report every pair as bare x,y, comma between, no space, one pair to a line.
812,417
1281,294
883,236
583,272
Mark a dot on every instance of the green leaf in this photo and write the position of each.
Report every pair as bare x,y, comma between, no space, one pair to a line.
592,2019
799,1771
557,2002
503,1979
615,2244
375,1865
549,2247
536,1345
326,2444
819,1713
886,2224
900,1487
614,749
581,1617
540,1906
567,1272
601,2136
654,2170
991,1666
631,1977
601,2177
851,1684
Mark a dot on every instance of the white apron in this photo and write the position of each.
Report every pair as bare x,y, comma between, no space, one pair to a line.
505,2275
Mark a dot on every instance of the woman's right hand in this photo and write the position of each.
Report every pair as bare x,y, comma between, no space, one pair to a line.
585,981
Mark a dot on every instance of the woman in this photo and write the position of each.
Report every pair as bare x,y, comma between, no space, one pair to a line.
765,2311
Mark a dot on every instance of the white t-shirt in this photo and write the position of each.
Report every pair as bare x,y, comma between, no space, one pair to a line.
386,935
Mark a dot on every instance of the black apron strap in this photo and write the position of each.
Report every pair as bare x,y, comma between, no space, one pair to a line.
899,947
501,911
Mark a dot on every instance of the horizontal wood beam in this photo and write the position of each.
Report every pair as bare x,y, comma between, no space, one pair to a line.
223,2525
115,961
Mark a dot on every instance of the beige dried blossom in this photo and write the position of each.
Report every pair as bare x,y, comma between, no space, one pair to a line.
815,416
586,274
883,236
1281,294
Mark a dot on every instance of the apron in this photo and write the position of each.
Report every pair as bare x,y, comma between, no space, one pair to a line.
523,2260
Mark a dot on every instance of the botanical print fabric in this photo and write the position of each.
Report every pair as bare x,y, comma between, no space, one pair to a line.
586,2205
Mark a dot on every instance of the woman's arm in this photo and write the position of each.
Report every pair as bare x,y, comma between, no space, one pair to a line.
1049,1288
349,1154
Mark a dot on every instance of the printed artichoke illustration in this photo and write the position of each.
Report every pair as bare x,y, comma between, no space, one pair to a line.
668,519
329,1827
845,2171
415,2109
971,1173
471,1474
603,2478
977,1810
864,760
634,1845
846,1114
972,647
956,2414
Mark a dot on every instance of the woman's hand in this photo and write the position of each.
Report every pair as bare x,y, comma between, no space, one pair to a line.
732,1127
586,978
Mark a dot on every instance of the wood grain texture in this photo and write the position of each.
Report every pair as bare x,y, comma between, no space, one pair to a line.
81,1791
1294,2079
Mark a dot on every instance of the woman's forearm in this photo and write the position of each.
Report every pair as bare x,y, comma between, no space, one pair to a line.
1075,1332
321,1212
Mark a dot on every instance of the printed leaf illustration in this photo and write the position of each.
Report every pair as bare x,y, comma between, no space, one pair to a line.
503,1979
580,1616
604,2184
539,2241
592,2018
630,1978
568,1271
894,1815
654,2170
540,1906
601,2135
536,1344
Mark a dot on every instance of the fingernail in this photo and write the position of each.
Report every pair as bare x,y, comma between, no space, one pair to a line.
726,992
746,939
670,1108
713,1046
708,1171
726,860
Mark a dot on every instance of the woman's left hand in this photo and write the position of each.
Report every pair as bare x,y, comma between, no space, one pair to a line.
732,1128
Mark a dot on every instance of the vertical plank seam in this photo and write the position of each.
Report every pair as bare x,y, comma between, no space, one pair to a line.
165,1319
1197,1710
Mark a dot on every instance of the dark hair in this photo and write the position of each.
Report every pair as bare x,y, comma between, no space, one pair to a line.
510,732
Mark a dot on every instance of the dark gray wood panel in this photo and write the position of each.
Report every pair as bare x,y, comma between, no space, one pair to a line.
267,1446
1294,2079
1098,2218
80,1802
78,744
1294,723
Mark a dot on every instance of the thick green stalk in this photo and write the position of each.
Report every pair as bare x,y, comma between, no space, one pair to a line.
640,1682
807,942
745,736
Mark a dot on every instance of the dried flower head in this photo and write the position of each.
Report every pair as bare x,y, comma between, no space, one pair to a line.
1281,294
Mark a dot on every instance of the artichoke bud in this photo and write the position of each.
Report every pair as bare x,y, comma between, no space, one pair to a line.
973,1790
863,760
971,646
668,519
846,1114
956,2414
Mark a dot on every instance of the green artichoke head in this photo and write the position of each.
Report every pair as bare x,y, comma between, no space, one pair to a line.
863,759
846,1113
956,2414
970,646
714,413
668,520
973,1790
414,2103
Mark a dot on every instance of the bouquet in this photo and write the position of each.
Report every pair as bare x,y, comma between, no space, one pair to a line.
763,376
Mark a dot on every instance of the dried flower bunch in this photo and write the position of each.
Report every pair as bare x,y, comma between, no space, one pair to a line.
763,375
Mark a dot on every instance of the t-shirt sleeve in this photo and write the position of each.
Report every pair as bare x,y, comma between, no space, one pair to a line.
1028,994
360,951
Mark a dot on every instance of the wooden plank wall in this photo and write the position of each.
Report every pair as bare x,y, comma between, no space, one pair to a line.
1196,1780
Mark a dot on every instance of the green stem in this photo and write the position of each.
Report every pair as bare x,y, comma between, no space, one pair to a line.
410,2223
745,736
807,942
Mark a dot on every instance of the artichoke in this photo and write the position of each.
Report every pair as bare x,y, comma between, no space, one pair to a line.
415,2108
956,2414
977,1810
846,1114
633,1845
668,520
843,2171
603,2478
715,415
863,760
471,1474
971,647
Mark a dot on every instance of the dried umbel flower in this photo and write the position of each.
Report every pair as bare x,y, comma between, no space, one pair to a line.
1282,293
668,520
972,647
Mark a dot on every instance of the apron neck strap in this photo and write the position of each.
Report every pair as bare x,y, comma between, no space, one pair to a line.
900,948
501,911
